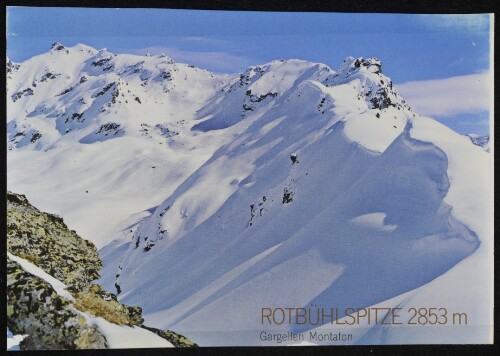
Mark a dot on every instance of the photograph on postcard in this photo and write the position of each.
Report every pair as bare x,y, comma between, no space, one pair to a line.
183,178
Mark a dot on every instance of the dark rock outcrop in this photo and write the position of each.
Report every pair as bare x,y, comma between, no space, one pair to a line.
175,339
33,306
45,240
35,309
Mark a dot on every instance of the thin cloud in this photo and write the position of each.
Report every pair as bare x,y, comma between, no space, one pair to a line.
480,122
465,94
205,40
469,22
216,61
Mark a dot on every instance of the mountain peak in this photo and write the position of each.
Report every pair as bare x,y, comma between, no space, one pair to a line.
353,65
372,83
105,51
57,46
11,66
83,47
480,140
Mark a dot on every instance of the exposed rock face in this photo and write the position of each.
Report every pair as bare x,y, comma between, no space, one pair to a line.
176,339
45,240
376,88
11,66
34,307
482,141
50,321
100,303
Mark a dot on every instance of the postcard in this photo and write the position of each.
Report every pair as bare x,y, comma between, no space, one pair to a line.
194,178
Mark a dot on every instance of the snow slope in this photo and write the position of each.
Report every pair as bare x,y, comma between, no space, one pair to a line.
329,194
467,287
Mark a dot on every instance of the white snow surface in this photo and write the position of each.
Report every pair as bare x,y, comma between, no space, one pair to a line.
126,337
13,341
371,218
374,220
465,288
288,185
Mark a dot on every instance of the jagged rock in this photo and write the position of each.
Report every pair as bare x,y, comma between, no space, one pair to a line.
66,91
287,195
20,94
378,91
108,127
35,137
46,241
101,61
482,141
258,99
75,117
101,303
11,66
48,75
35,309
175,339
56,46
105,89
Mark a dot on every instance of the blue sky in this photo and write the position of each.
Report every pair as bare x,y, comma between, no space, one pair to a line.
413,48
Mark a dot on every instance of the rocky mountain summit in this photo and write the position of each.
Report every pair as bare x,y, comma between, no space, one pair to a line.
482,141
43,255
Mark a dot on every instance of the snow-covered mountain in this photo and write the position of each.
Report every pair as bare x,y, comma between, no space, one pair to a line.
97,137
288,185
81,94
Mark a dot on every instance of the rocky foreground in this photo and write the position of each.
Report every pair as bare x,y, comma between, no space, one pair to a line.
37,308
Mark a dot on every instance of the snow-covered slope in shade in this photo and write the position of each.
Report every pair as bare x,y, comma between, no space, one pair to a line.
329,195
